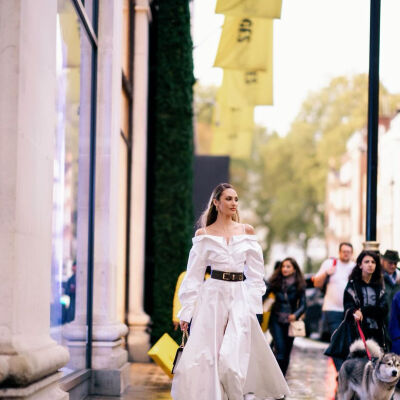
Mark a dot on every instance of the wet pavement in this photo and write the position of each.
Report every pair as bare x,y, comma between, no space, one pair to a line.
311,376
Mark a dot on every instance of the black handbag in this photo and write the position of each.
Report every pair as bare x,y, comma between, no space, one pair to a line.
341,339
178,355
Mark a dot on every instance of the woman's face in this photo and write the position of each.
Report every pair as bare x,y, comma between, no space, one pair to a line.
287,268
368,265
228,202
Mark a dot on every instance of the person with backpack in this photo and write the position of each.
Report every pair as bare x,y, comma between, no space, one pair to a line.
332,278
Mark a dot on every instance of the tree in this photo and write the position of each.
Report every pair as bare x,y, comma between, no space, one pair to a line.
288,194
204,102
282,186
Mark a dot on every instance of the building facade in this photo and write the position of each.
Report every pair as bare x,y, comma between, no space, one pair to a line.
345,206
73,136
345,197
388,229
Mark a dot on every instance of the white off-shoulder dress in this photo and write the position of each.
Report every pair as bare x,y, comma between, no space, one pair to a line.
226,355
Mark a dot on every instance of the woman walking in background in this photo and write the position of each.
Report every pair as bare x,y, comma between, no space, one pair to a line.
227,355
365,299
288,285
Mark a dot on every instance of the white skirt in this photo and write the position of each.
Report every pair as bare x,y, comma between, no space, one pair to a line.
227,354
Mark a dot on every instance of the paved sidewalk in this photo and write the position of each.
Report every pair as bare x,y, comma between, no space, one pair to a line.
311,376
148,382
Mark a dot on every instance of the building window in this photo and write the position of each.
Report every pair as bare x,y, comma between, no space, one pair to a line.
72,252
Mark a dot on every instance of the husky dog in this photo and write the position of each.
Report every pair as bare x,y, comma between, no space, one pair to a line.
368,380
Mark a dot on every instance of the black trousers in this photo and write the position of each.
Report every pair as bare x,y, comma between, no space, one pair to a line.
283,343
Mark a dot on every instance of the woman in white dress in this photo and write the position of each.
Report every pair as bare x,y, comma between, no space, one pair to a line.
226,355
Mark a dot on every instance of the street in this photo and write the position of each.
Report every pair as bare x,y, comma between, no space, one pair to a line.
311,376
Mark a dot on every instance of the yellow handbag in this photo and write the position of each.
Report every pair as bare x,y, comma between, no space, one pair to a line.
267,306
163,353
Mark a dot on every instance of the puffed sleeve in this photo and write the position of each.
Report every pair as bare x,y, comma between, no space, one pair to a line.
190,288
254,272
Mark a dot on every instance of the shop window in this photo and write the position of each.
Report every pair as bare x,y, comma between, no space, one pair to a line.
72,172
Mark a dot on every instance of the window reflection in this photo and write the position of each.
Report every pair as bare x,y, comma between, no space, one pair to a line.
71,173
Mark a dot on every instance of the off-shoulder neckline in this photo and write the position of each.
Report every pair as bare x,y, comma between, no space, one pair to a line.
222,238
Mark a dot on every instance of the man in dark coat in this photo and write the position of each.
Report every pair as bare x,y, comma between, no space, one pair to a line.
394,325
70,291
391,275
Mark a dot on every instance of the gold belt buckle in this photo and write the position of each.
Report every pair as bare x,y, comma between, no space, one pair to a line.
240,277
223,276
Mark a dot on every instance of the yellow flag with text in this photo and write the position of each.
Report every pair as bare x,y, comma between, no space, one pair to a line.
251,8
233,130
245,44
247,88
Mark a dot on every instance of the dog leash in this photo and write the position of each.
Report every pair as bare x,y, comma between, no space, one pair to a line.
363,339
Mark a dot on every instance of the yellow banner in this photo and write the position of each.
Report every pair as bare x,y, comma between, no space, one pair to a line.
247,88
251,8
233,130
245,44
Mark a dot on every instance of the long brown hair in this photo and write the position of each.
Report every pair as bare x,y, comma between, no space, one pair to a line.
275,282
209,215
377,277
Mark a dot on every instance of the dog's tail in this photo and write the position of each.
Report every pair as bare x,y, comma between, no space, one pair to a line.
357,349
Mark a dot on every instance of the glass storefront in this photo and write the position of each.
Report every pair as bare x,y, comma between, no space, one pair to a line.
64,285
73,172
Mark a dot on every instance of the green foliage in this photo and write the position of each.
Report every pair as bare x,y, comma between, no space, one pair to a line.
171,202
204,102
282,186
288,192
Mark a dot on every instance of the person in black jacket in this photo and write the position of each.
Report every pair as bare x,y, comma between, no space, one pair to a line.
288,285
70,290
365,299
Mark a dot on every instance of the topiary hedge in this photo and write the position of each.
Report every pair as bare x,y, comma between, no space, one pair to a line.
170,211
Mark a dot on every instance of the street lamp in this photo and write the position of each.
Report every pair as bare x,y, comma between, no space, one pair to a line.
373,117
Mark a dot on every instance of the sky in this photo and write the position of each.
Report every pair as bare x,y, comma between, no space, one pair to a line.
314,41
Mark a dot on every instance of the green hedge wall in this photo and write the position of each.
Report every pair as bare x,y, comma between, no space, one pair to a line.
172,158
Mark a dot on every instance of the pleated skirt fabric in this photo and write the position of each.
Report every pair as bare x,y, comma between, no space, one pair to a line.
227,354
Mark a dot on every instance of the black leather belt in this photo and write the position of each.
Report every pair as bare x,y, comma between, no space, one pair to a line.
227,276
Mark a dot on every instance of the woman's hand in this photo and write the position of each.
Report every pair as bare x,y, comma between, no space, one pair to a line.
291,318
184,326
358,315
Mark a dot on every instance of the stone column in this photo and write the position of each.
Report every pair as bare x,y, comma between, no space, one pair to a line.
138,339
29,358
109,359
